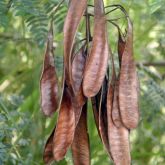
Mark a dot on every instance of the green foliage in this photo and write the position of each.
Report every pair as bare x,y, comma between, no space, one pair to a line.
23,129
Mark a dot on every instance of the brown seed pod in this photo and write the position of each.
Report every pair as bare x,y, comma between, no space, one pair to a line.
128,84
65,128
118,137
121,46
100,115
48,149
97,61
95,106
80,146
77,75
74,15
103,123
115,107
78,68
49,81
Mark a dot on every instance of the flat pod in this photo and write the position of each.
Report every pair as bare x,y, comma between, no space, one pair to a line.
73,18
115,107
97,61
49,81
121,46
128,84
65,128
78,65
77,75
48,149
80,146
118,137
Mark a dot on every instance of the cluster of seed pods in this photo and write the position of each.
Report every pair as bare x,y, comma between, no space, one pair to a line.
86,77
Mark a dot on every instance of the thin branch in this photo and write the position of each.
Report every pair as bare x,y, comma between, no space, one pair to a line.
15,39
156,64
116,19
111,10
54,10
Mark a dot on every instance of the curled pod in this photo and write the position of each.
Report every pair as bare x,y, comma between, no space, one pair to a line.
97,62
100,115
103,122
49,80
73,18
48,149
80,146
118,137
65,127
128,84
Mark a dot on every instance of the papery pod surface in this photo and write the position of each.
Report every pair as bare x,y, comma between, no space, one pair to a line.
97,61
73,18
118,137
65,127
78,64
80,146
48,149
129,84
49,80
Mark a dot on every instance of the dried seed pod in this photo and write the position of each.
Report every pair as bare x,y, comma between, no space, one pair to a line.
77,75
103,123
78,68
95,106
128,84
115,107
100,115
97,61
75,12
121,46
80,146
49,81
48,150
118,137
65,128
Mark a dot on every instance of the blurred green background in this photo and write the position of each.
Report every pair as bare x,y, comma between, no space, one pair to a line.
23,32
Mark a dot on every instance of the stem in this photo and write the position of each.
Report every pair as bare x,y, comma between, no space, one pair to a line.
111,10
120,7
156,64
54,10
115,26
115,19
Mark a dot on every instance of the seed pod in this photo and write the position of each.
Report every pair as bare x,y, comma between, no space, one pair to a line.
78,68
115,107
99,110
97,62
103,123
95,106
121,46
128,84
75,12
80,146
48,150
49,81
118,137
77,75
65,128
